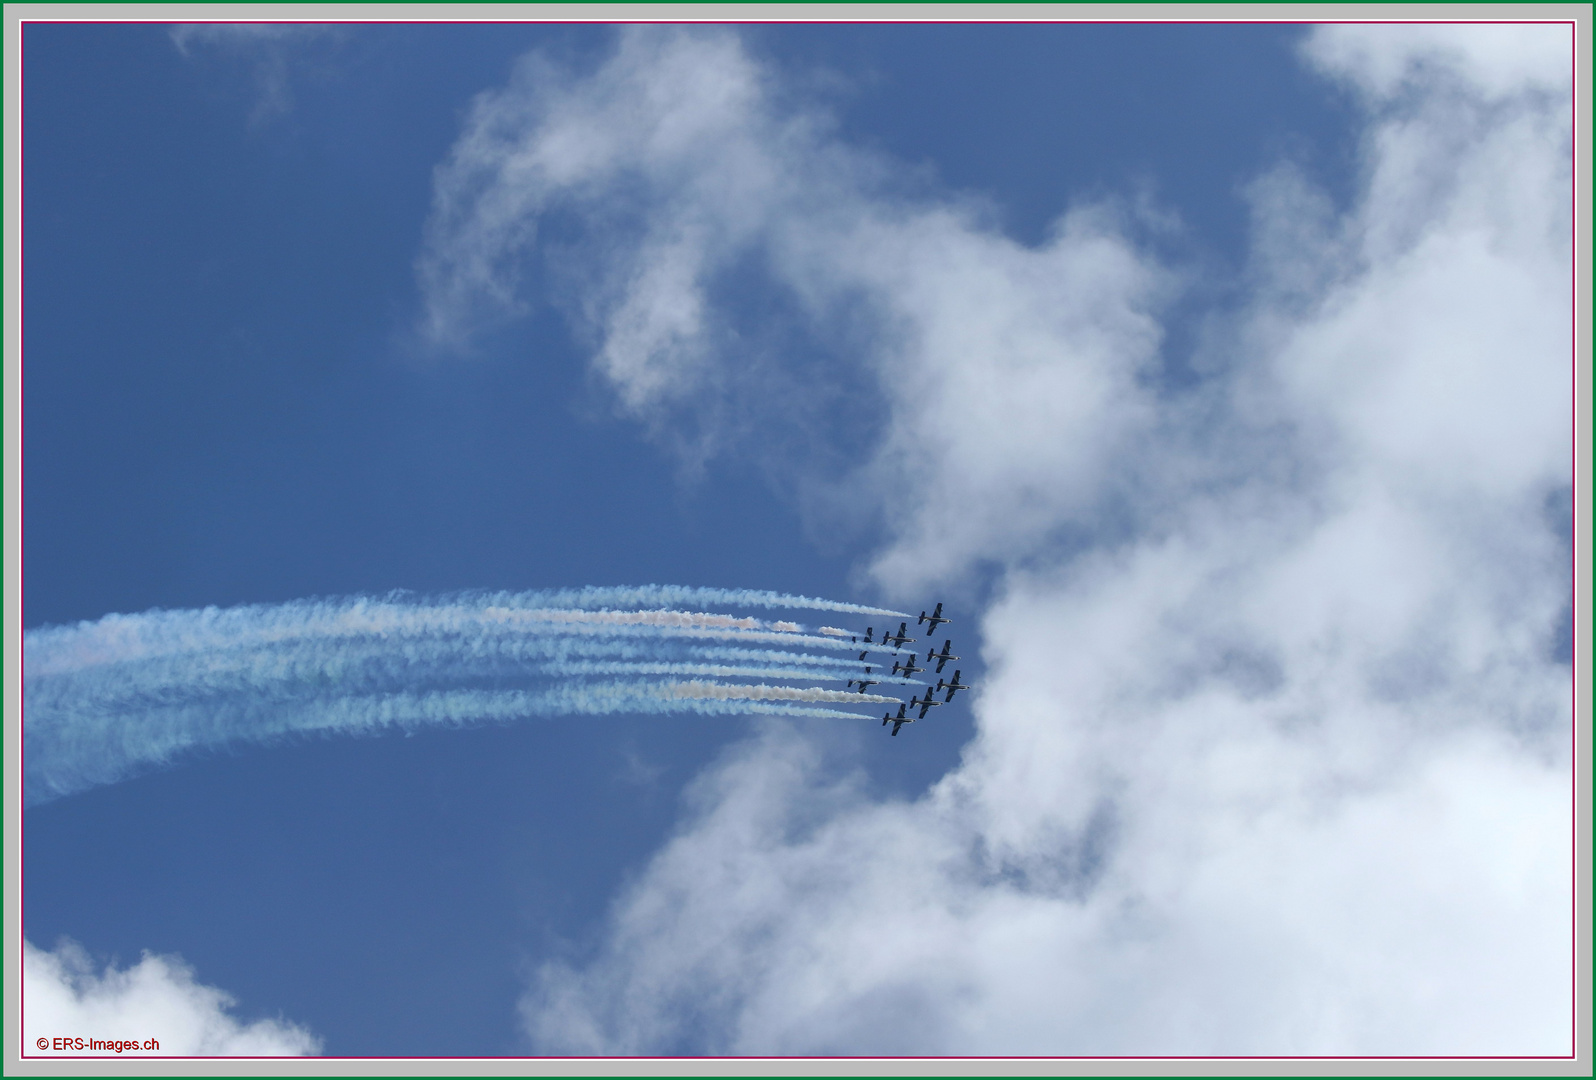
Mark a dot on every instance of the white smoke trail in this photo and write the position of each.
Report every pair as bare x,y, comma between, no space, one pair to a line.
106,699
577,668
690,620
352,663
97,676
730,692
124,638
732,653
77,756
678,595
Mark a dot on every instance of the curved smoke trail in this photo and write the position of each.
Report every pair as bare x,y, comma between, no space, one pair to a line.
676,595
104,700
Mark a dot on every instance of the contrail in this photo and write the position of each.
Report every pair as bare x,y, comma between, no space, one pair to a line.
108,698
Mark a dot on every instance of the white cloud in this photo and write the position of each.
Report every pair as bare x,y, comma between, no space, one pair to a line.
155,999
1273,742
1225,918
1491,60
687,179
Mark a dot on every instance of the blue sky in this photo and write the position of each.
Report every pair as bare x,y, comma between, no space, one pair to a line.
1194,367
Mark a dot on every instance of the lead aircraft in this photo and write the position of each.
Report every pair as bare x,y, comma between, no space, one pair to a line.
934,619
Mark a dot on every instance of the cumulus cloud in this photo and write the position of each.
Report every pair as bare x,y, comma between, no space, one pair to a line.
1273,745
1493,61
156,999
677,179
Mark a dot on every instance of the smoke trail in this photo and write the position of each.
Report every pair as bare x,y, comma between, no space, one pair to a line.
106,699
156,633
122,638
678,595
386,661
728,692
715,670
732,653
73,757
350,664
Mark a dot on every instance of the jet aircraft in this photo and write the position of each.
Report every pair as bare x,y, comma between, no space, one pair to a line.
940,657
898,640
863,683
906,668
899,720
916,703
952,687
934,619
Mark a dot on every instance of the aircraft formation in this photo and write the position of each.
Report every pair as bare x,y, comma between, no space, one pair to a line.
907,667
111,698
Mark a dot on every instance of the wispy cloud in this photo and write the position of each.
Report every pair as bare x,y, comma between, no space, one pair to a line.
156,999
271,50
687,178
1273,745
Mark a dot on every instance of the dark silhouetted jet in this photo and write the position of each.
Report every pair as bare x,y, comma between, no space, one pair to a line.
952,687
868,682
917,703
897,721
935,618
941,657
898,640
906,668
